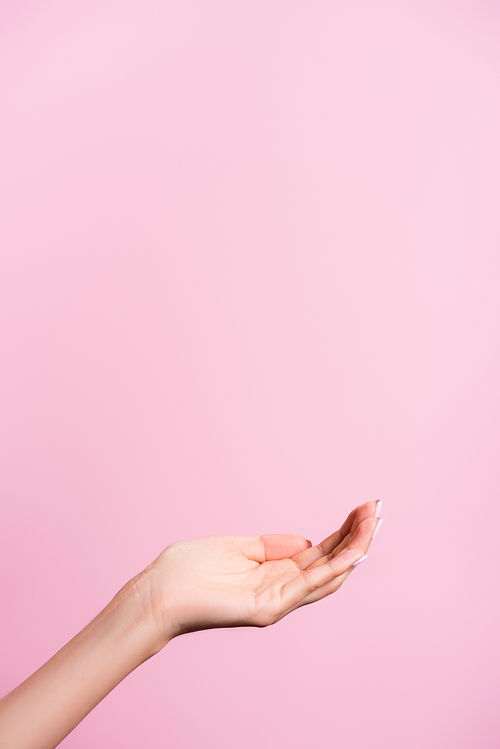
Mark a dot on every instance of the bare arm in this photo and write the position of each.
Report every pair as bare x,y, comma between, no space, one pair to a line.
41,711
215,581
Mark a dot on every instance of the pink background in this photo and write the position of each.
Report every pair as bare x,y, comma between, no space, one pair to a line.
249,279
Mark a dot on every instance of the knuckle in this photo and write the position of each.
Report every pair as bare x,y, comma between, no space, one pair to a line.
366,523
312,580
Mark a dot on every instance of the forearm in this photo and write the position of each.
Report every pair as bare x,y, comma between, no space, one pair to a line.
42,710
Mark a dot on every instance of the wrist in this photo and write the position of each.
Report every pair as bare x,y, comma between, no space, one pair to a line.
141,597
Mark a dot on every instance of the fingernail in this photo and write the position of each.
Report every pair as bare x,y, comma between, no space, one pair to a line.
309,542
377,527
378,508
363,559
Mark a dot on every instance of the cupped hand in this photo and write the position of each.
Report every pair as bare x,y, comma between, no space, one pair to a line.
231,581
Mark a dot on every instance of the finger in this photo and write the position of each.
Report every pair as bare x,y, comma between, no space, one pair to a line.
310,580
308,556
339,548
328,548
271,546
362,537
359,540
330,587
314,577
366,510
305,558
326,590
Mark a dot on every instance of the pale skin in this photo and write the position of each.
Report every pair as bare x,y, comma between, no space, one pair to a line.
204,583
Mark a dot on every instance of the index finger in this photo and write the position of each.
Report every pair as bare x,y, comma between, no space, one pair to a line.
308,556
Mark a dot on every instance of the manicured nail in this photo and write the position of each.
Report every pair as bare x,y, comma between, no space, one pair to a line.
378,509
363,559
377,527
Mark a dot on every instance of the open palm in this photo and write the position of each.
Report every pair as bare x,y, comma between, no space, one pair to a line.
231,581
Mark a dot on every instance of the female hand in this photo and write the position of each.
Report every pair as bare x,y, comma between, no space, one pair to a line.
216,581
231,581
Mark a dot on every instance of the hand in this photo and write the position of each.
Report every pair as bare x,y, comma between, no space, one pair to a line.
216,581
233,581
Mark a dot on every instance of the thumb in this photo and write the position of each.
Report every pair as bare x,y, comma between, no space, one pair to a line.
272,546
